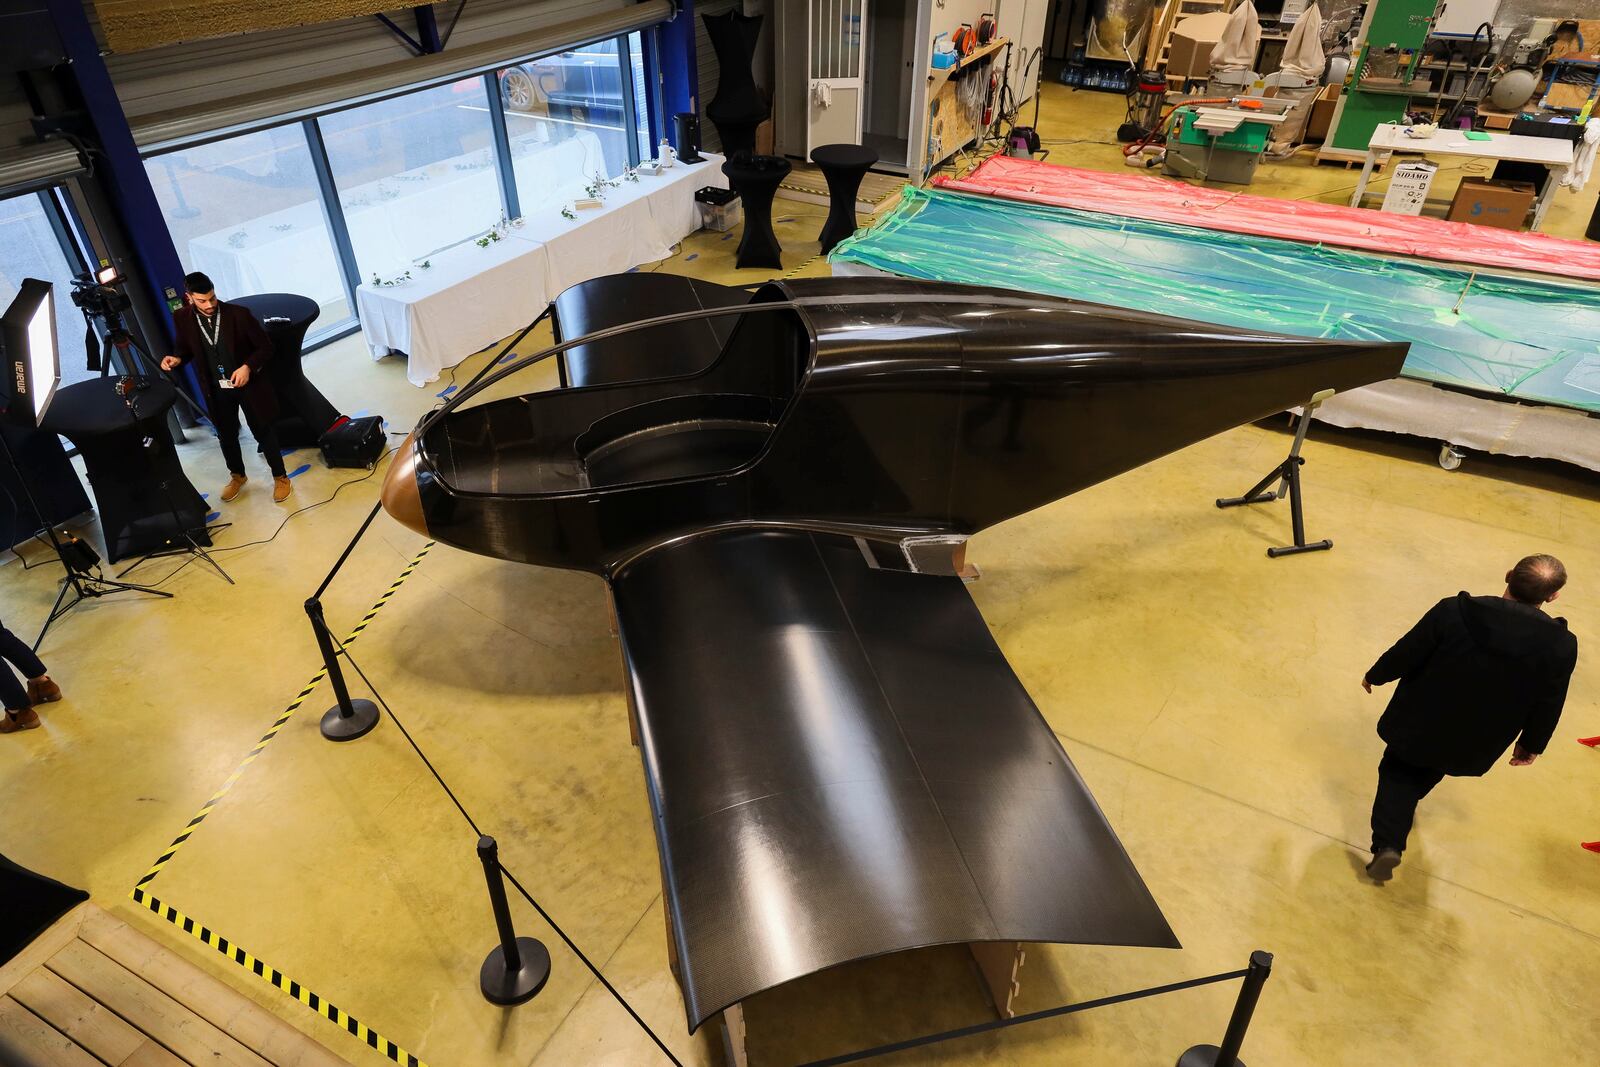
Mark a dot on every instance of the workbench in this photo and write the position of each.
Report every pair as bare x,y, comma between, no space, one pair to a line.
1552,152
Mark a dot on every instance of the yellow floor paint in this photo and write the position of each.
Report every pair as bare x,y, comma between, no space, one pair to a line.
1208,695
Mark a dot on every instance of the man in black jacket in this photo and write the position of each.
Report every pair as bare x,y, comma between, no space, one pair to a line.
1476,674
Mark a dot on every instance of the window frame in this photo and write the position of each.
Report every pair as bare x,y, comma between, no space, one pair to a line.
327,190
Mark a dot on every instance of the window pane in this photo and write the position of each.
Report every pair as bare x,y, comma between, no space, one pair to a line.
641,99
564,118
29,249
248,212
415,173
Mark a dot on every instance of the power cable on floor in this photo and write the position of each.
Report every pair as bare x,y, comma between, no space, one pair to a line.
576,951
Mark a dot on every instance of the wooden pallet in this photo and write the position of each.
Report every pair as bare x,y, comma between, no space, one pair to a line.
1348,158
92,990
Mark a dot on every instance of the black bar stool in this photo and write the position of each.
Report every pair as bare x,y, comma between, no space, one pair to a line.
843,165
756,179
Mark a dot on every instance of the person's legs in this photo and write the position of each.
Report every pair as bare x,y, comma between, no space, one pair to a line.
1400,786
225,417
267,438
12,695
16,652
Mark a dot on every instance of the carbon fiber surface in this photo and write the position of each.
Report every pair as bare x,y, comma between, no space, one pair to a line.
842,764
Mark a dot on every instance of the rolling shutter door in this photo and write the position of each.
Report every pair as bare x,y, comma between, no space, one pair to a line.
184,93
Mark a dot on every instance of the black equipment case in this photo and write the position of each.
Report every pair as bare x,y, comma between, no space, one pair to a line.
353,442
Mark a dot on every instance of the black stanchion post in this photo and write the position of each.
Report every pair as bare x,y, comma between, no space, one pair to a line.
1227,1055
518,967
348,719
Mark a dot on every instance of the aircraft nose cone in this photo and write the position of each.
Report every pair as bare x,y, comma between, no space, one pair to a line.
401,498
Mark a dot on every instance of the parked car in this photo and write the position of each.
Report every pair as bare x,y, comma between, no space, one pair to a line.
584,85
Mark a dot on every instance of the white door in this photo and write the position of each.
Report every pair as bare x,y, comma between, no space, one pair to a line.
835,91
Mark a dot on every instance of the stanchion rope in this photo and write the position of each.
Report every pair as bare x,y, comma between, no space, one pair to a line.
576,951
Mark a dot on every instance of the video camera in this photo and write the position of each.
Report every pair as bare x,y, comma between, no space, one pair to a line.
96,295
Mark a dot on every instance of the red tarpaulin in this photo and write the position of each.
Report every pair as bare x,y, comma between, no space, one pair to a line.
1142,196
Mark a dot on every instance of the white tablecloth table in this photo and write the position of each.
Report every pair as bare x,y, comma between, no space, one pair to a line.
391,221
1552,152
475,296
469,299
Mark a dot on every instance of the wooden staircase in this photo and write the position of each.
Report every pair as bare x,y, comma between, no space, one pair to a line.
94,992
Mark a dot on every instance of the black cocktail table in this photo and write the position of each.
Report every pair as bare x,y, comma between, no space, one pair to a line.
843,165
756,180
146,503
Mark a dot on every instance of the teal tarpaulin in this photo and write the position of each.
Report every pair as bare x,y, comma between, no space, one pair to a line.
1531,339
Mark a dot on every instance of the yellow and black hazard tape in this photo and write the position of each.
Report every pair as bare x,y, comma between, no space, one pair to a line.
803,266
142,895
272,731
320,1005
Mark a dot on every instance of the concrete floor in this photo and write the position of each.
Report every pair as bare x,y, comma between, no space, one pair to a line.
1208,695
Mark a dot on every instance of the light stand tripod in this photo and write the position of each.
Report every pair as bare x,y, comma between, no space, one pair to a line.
1287,475
83,581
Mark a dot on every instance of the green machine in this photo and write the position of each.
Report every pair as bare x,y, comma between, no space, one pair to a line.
1221,144
1392,36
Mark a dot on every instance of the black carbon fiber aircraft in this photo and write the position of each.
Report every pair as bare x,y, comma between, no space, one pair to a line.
839,759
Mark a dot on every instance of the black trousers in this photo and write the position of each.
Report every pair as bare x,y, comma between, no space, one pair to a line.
15,652
1401,784
225,406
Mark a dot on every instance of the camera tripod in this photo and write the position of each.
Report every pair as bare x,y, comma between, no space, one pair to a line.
82,581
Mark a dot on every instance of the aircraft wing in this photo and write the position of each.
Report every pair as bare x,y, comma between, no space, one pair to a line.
841,764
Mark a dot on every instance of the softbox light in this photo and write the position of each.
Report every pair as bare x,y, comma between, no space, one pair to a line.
32,361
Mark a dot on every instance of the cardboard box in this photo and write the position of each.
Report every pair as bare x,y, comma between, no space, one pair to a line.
1486,202
1321,119
1193,38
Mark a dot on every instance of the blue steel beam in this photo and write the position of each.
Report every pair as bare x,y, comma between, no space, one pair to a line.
680,79
132,194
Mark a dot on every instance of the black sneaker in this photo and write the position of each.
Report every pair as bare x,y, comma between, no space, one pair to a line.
1383,863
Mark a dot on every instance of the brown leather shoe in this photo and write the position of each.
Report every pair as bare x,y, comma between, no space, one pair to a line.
231,490
22,719
281,488
43,691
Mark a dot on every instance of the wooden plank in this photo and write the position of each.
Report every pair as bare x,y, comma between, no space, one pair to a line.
151,1054
999,962
160,1017
67,1008
29,1041
733,1037
208,997
41,948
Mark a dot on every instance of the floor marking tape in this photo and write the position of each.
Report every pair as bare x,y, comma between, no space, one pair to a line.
142,896
282,720
267,972
804,265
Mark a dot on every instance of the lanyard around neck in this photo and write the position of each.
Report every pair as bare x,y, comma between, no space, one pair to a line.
215,331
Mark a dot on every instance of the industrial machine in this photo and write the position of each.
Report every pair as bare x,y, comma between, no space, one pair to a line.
1222,143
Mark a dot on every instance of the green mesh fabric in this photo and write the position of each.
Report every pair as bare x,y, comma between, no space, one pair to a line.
1532,339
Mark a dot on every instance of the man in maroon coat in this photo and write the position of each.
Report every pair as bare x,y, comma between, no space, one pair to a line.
232,349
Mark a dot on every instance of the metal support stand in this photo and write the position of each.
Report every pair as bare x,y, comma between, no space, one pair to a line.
348,719
1287,475
518,967
1227,1055
81,585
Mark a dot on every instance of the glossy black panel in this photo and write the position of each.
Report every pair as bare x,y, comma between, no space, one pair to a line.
842,764
682,348
894,408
